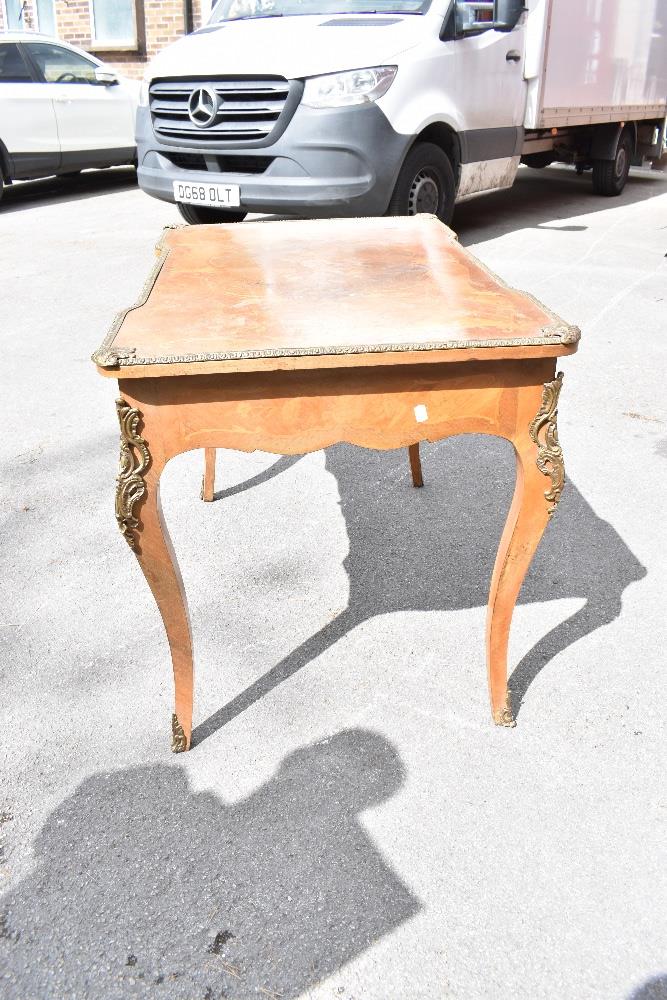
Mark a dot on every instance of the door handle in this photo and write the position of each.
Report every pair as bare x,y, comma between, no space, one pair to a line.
513,56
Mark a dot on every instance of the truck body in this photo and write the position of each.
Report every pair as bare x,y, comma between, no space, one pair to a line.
328,108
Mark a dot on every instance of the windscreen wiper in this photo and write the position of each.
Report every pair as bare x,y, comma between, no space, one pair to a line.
255,17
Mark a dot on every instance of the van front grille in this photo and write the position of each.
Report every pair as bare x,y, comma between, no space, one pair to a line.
224,110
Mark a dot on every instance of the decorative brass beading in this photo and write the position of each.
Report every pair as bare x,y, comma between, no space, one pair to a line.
134,460
544,432
178,741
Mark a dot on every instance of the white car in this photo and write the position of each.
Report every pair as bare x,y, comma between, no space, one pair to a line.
61,110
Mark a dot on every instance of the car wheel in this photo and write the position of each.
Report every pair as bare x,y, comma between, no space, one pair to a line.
200,215
609,176
2,185
425,184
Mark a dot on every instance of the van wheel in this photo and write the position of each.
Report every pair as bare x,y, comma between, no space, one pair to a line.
201,215
425,184
609,176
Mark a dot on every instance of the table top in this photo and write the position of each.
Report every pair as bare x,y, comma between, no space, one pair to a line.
327,293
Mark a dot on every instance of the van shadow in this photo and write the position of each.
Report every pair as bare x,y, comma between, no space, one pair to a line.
51,190
144,888
432,549
539,196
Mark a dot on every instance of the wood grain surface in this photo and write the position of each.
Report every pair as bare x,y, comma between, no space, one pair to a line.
255,295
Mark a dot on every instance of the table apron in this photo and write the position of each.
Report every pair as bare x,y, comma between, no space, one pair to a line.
299,412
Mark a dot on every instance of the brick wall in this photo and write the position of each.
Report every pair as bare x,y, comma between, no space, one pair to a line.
159,22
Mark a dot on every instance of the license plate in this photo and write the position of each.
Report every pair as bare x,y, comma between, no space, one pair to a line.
215,195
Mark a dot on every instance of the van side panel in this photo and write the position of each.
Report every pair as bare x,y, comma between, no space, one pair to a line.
604,60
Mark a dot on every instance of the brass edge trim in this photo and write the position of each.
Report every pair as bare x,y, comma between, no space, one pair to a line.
127,358
543,431
178,741
107,356
130,486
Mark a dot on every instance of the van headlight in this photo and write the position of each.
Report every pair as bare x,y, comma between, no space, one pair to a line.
357,86
143,92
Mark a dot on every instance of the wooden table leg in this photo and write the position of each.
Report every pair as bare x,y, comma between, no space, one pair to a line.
141,522
538,455
208,482
415,465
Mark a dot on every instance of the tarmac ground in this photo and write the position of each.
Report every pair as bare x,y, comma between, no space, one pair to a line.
349,824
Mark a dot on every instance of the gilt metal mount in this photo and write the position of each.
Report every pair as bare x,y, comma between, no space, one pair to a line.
134,460
178,741
544,432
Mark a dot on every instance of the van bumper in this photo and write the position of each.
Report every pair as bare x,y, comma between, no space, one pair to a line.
330,162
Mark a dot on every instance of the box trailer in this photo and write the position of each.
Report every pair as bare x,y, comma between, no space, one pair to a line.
596,64
352,107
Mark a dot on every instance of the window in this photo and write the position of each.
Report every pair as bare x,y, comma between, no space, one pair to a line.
60,65
15,10
46,16
114,24
13,68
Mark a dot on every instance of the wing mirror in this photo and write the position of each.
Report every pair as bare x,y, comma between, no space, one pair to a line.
506,13
105,76
501,15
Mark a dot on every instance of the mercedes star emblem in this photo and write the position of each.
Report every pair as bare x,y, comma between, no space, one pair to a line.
203,106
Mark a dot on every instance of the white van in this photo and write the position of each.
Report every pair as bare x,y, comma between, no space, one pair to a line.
364,107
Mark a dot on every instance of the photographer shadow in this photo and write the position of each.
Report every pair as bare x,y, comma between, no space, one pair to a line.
433,549
142,887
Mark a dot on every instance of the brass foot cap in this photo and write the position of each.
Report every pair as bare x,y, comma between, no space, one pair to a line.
504,717
178,741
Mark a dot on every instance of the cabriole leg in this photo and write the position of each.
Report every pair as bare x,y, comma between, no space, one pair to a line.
538,455
208,482
141,522
415,465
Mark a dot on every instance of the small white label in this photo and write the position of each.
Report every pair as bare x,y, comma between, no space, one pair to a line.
420,413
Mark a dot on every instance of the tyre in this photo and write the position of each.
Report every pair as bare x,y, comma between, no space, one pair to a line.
201,215
537,161
609,176
2,185
425,184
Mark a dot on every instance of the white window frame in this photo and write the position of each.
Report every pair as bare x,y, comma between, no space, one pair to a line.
99,45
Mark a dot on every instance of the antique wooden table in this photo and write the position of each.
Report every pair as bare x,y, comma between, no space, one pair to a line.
290,336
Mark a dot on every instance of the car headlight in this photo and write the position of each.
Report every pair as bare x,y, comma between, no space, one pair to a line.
357,86
143,92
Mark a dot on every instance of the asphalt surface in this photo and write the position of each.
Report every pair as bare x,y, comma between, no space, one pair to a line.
349,824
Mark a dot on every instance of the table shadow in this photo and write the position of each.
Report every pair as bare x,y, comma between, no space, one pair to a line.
652,989
432,549
143,887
